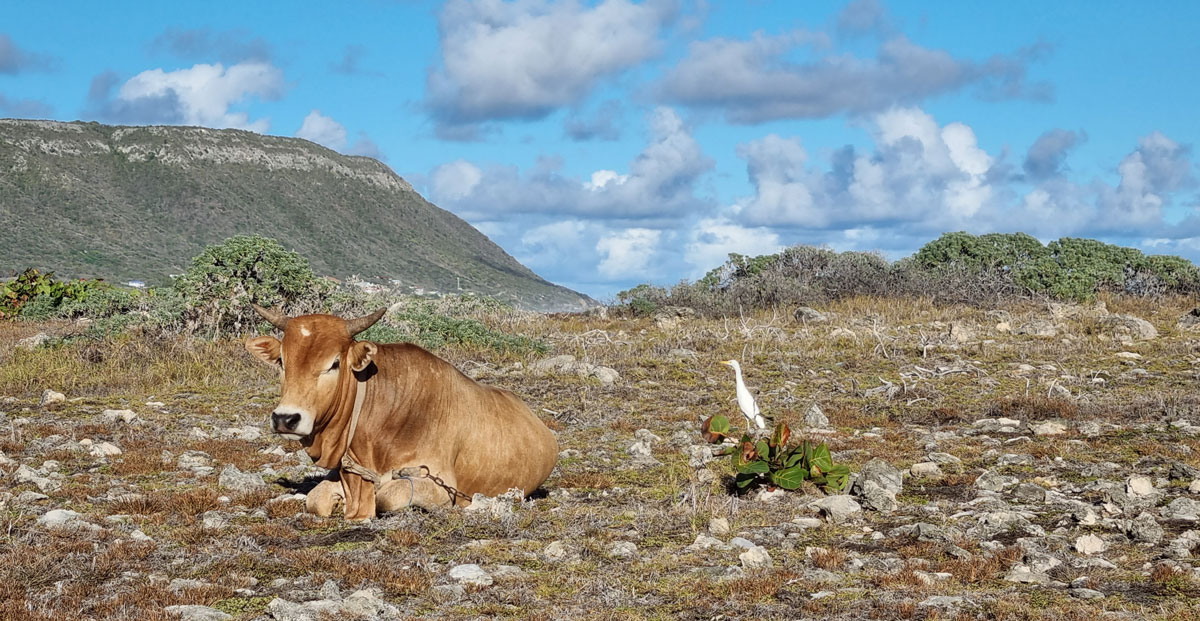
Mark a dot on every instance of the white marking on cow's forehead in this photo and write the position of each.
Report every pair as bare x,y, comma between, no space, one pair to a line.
305,331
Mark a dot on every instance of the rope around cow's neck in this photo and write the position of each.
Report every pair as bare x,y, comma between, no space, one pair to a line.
349,464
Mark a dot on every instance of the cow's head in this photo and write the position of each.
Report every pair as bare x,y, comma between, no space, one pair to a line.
315,351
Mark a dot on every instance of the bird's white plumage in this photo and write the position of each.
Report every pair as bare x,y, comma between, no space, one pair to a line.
745,400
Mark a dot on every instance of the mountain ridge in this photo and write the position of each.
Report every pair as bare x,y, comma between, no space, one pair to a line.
123,203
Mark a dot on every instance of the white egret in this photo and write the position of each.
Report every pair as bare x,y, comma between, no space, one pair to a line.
745,400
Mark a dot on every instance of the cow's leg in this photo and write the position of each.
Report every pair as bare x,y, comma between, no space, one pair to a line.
420,491
360,497
324,498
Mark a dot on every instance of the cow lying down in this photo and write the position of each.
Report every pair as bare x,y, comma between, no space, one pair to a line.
397,425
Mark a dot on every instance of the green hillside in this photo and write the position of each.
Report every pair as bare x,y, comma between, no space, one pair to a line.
136,203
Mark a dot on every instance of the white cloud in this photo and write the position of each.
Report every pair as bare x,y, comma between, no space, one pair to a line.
323,130
627,253
506,60
755,80
660,183
920,173
712,239
202,95
455,180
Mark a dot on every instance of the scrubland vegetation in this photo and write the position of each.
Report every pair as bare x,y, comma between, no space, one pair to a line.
1034,448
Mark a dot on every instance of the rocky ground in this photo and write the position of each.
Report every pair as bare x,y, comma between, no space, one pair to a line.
1023,462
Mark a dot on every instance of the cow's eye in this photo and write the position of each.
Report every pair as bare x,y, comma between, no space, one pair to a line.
334,366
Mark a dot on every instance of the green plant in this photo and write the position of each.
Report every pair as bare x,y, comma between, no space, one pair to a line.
769,460
35,295
224,279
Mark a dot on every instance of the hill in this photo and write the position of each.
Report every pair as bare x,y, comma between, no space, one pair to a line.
136,203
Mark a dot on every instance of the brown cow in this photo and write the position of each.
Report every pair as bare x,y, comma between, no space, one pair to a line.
397,425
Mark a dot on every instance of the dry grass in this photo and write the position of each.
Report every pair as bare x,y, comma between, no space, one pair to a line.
596,498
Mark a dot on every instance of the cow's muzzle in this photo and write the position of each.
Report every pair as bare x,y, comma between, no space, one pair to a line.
284,423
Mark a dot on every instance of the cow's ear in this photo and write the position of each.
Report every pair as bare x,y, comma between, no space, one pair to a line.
360,354
266,348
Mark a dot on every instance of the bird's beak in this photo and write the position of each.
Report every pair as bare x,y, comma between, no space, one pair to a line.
728,362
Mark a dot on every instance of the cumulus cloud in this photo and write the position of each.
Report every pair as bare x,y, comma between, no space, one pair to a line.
754,80
228,46
202,95
920,173
25,108
522,60
1047,154
711,240
326,131
1158,167
660,182
628,253
322,130
14,60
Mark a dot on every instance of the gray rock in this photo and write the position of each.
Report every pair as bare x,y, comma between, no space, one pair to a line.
61,518
877,498
124,416
814,417
559,552
496,508
1139,486
925,469
1090,544
238,481
1082,593
104,449
993,481
742,542
1023,574
882,473
623,550
31,343
50,397
1030,492
607,375
1144,529
943,458
1182,472
1038,327
366,604
1134,328
838,508
25,474
1182,509
1048,428
718,526
699,455
756,558
809,315
704,542
470,574
196,613
192,460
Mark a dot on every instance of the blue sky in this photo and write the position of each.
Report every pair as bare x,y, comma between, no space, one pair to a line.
609,143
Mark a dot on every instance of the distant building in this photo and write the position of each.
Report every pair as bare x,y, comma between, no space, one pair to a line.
136,284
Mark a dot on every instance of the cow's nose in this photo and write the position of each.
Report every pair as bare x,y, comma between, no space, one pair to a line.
285,422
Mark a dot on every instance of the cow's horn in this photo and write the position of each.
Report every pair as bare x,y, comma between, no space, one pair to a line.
366,321
277,319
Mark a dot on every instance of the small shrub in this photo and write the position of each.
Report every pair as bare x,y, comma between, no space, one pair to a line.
758,461
223,280
34,295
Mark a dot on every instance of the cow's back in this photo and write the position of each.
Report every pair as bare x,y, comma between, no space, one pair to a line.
430,412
